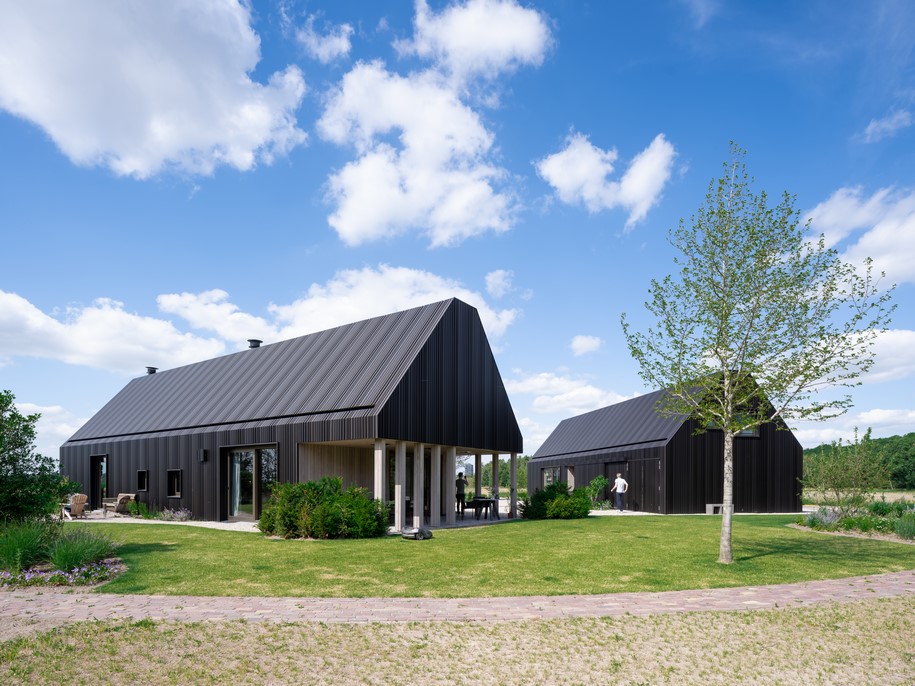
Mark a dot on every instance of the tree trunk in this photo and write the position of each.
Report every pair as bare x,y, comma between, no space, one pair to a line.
725,555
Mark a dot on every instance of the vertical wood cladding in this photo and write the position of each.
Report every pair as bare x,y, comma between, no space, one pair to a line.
766,471
354,465
452,393
685,474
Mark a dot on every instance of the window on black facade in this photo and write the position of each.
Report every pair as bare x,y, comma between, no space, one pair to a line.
174,483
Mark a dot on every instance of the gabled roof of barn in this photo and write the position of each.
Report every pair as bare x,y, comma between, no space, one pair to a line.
634,423
347,371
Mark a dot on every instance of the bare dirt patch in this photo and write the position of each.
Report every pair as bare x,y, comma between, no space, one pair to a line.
830,644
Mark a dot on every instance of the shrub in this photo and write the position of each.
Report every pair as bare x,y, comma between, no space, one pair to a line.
23,544
556,502
824,518
182,514
905,526
140,510
30,485
574,506
282,515
322,509
79,547
596,488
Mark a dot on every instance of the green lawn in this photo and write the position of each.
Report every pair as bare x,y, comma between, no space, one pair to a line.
594,555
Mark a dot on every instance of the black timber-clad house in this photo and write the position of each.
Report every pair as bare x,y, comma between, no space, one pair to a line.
669,467
360,401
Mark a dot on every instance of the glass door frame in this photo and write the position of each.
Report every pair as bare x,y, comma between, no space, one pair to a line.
264,472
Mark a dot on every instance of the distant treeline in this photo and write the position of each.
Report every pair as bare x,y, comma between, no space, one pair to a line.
897,451
505,473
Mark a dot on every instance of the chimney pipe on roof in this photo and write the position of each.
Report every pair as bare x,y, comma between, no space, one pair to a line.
254,343
151,370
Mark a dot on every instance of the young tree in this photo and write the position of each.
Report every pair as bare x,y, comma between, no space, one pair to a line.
758,322
847,474
30,485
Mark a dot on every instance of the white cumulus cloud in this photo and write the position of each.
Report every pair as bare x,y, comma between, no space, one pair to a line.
355,294
499,282
562,395
54,427
140,87
479,37
438,178
325,47
894,355
881,227
425,161
582,345
103,335
106,336
580,174
212,311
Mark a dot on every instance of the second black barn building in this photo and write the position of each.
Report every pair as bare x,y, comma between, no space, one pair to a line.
669,467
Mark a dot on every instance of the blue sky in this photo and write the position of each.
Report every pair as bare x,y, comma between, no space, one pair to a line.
178,177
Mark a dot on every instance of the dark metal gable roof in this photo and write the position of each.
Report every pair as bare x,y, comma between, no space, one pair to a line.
631,422
351,367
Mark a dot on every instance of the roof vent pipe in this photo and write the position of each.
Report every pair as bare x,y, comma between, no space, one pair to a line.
254,343
151,370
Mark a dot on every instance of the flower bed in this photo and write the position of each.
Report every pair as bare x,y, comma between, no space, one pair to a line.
896,518
87,575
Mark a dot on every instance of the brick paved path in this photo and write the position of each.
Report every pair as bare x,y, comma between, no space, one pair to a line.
62,607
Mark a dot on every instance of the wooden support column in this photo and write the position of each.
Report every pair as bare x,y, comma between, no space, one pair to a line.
478,475
381,472
419,481
400,491
435,487
495,477
513,505
449,479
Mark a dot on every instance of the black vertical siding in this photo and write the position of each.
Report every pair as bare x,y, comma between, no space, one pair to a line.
686,473
452,393
766,471
203,483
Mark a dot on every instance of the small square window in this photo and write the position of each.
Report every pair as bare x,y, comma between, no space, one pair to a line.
550,476
174,483
143,480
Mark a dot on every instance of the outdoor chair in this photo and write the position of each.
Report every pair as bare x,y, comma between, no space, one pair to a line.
117,505
76,507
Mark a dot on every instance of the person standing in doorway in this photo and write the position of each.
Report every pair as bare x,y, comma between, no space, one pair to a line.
460,486
619,487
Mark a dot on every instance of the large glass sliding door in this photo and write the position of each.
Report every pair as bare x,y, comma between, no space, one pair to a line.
252,472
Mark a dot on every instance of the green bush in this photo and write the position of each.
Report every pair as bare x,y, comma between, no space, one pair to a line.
575,506
905,526
596,488
31,487
556,502
140,510
23,544
322,509
79,547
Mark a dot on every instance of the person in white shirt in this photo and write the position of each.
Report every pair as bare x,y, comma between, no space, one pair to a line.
619,487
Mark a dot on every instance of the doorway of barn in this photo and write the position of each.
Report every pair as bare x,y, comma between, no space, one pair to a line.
251,472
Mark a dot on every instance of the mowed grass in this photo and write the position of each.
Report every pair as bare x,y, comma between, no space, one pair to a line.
832,644
587,556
